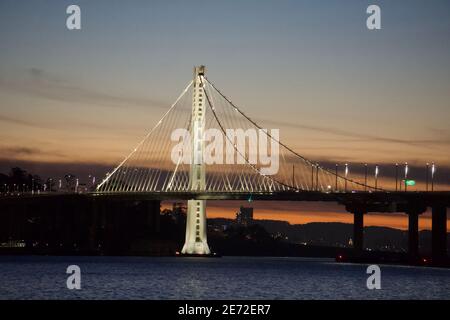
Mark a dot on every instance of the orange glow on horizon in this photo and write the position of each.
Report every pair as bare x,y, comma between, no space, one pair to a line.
301,216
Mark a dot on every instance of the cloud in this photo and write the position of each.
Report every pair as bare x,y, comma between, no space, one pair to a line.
37,73
423,143
124,132
15,152
20,151
20,122
41,83
55,169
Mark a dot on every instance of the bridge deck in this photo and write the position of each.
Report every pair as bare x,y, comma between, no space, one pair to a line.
375,201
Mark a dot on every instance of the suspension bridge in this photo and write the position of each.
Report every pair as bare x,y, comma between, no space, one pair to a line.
207,148
150,168
202,108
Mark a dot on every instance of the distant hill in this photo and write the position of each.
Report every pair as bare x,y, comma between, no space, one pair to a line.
338,234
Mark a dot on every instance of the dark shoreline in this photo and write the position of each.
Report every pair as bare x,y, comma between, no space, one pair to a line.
386,258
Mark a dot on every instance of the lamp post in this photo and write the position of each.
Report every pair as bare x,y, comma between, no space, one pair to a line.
365,176
406,175
336,174
433,170
396,177
346,174
426,176
317,177
376,177
293,178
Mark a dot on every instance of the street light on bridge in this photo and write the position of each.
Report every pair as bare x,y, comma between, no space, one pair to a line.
433,170
336,174
317,177
376,176
396,176
406,175
346,174
426,176
365,176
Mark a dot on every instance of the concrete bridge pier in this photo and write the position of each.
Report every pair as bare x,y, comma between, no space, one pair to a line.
413,212
358,210
439,234
358,230
413,235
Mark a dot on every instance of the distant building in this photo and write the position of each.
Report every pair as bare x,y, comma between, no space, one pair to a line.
350,242
81,188
179,208
179,211
244,216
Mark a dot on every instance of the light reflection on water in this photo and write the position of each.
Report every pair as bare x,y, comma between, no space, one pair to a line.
37,277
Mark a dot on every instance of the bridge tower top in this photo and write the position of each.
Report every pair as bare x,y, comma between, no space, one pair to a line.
199,71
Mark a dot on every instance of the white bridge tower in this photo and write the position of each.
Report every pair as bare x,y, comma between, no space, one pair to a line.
196,241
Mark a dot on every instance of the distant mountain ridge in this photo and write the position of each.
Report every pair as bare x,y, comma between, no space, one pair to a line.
338,234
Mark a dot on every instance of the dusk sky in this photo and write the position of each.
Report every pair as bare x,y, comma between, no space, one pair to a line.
78,101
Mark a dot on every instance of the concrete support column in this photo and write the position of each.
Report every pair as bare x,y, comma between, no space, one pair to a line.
358,230
413,209
413,234
439,233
